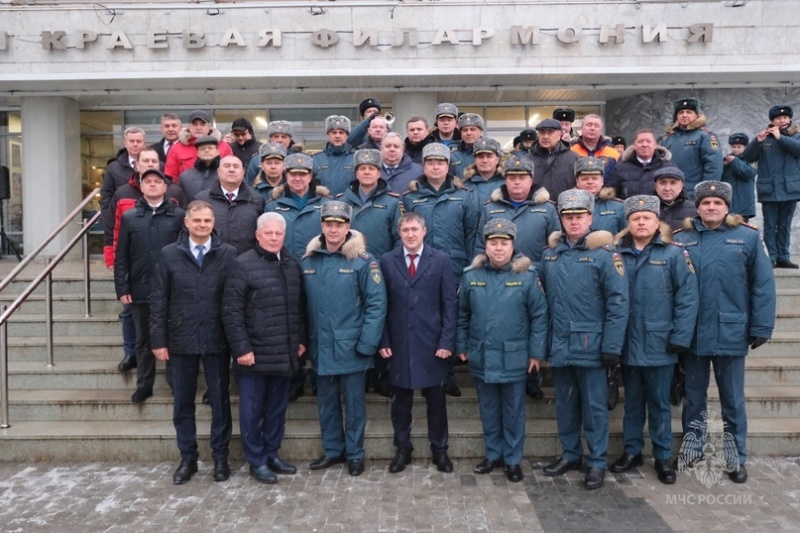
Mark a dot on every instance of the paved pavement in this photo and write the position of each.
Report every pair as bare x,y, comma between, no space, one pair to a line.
140,497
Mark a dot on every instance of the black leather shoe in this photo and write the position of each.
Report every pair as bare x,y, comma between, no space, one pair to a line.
442,462
206,398
594,478
324,462
279,466
221,470
560,467
128,363
383,390
451,389
355,467
184,472
487,465
295,393
401,459
738,476
514,473
263,474
626,462
782,264
666,474
140,395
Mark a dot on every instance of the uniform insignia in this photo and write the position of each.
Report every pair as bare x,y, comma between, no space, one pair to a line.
309,271
375,274
346,271
688,261
477,283
618,263
586,259
513,284
657,262
402,209
714,143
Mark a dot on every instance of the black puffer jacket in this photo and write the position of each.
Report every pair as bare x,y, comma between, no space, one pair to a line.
235,222
118,172
264,311
629,177
142,234
186,299
555,171
674,213
198,178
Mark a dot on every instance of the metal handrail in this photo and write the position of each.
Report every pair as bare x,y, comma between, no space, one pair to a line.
7,312
33,253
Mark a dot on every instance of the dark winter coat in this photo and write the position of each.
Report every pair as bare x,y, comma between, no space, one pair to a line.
695,150
742,177
376,218
675,213
302,225
183,154
778,166
404,173
333,167
246,151
198,178
235,222
554,170
609,212
461,157
630,177
118,173
482,189
414,151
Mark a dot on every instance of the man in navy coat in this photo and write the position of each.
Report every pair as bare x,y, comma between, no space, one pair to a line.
419,337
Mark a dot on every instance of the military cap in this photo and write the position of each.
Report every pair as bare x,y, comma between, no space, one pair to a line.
157,172
337,122
298,162
549,124
470,119
518,165
780,111
516,141
589,165
446,110
564,114
692,104
367,157
669,172
242,124
528,135
619,140
642,202
199,115
575,201
206,139
713,188
436,151
487,145
499,228
335,210
738,138
366,104
279,126
272,151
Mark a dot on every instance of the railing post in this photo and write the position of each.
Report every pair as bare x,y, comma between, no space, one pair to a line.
48,314
4,422
87,285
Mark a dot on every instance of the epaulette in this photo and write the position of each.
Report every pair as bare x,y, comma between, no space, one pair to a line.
748,225
487,202
467,269
338,195
618,200
365,256
675,243
607,248
392,193
675,232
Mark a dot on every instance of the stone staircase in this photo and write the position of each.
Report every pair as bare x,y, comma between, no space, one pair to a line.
80,409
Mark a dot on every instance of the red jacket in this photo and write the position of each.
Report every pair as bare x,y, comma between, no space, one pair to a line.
183,154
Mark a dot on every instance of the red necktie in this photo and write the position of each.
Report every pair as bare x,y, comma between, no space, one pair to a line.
412,269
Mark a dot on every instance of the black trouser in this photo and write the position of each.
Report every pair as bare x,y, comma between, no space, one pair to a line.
145,360
402,403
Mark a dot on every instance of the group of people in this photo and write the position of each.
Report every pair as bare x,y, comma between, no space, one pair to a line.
410,254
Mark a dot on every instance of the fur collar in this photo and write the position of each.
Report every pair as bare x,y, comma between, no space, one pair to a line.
593,240
354,246
472,170
319,190
519,263
630,154
415,184
663,229
731,221
607,193
698,123
540,195
184,136
791,130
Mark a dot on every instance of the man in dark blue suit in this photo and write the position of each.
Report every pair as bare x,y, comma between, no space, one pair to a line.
419,337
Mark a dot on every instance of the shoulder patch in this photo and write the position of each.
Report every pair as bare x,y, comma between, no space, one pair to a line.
714,142
618,265
688,261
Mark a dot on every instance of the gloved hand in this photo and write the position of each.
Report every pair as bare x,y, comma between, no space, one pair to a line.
610,360
677,349
533,387
755,342
362,355
613,387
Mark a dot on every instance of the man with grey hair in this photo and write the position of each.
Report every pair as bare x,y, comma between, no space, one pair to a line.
122,166
171,126
398,169
592,143
333,166
265,322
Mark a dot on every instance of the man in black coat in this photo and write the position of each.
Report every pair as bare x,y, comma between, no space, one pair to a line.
633,173
419,337
236,207
152,224
186,328
670,186
171,127
265,322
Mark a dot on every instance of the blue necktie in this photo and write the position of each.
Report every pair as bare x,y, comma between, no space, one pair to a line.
200,254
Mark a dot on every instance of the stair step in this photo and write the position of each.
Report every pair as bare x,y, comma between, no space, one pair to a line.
107,324
66,304
68,349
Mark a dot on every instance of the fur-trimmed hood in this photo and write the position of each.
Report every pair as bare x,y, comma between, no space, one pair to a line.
630,154
593,240
184,136
414,185
519,263
663,229
354,246
731,221
698,123
319,190
540,195
607,193
472,170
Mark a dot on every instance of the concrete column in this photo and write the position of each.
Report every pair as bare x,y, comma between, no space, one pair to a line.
407,105
51,168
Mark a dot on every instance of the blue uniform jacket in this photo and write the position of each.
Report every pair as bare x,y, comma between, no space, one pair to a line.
502,319
461,157
609,212
742,177
587,293
302,225
333,167
536,219
346,304
376,218
450,218
736,284
778,166
482,189
695,150
262,187
663,299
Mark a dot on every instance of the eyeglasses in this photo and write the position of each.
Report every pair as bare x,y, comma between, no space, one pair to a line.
239,133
